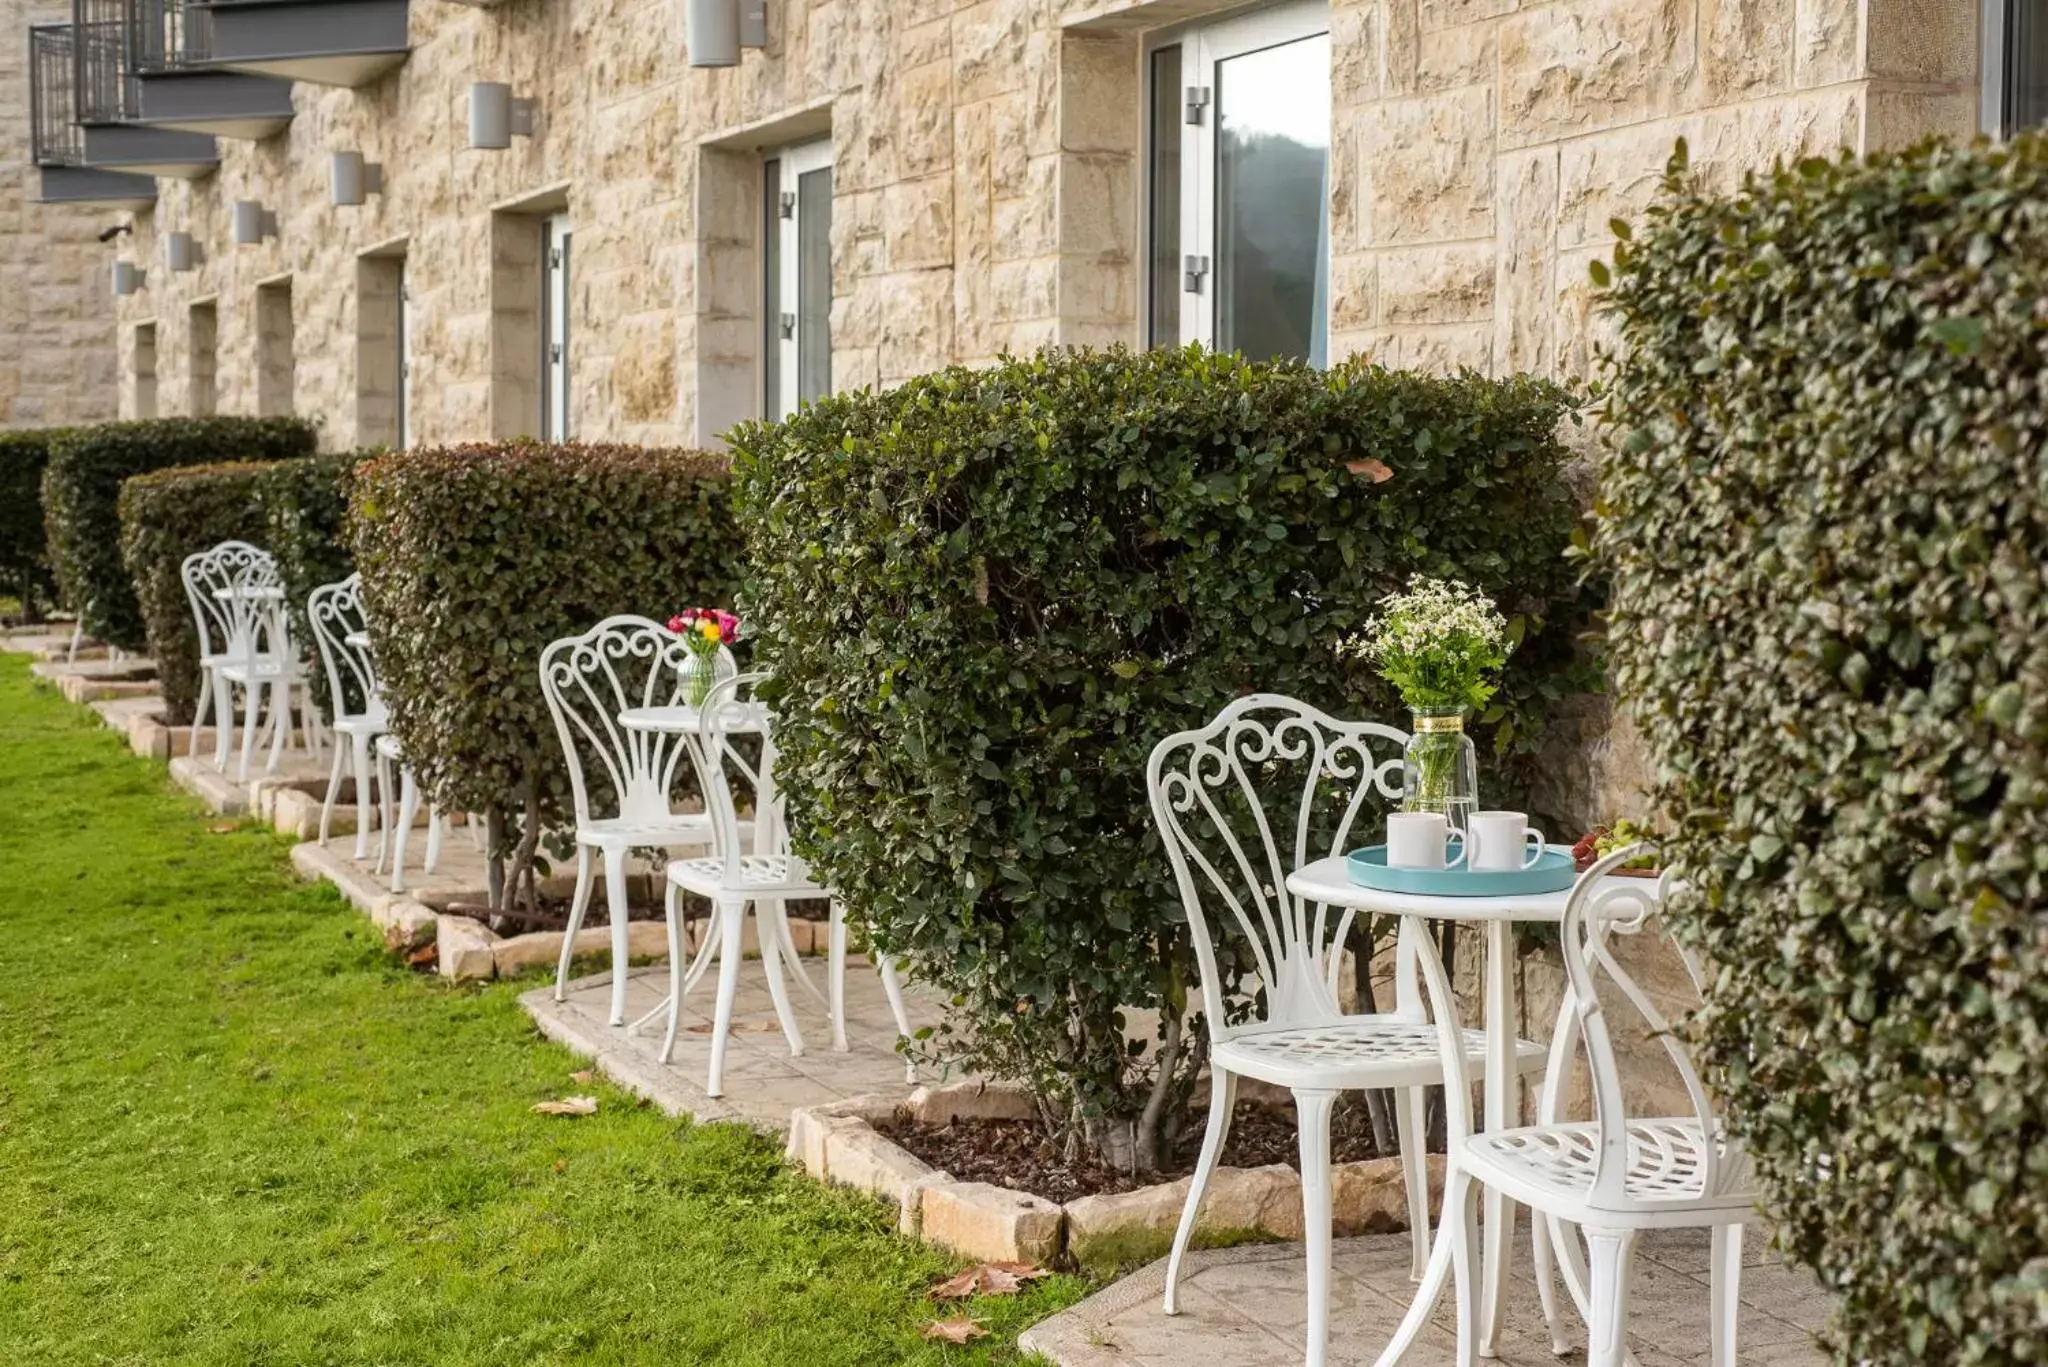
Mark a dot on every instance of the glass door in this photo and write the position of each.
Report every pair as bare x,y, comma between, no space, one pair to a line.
799,277
1254,183
554,345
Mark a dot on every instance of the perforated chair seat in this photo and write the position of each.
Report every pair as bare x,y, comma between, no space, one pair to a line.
1360,1051
761,875
1550,1167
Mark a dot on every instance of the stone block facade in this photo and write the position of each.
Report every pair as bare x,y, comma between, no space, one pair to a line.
988,191
56,302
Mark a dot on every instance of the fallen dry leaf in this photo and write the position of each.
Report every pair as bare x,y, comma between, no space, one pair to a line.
988,1279
738,1028
572,1105
224,827
561,1165
1373,470
582,1075
424,955
959,1329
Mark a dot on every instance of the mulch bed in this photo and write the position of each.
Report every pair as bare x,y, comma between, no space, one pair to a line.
1021,1155
554,913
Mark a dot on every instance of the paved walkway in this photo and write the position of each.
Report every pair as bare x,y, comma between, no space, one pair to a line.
1244,1308
763,1083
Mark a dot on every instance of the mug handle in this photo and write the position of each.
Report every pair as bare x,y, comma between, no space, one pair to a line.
1458,836
1535,839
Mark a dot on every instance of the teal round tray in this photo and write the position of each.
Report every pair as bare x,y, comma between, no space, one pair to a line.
1553,871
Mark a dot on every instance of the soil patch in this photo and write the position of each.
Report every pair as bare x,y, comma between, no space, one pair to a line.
554,913
1024,1156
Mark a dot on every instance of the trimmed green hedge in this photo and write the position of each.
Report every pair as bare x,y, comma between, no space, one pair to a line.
1826,516
989,593
305,506
24,558
83,483
166,516
474,558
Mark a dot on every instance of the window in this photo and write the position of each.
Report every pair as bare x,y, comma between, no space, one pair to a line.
203,338
274,360
2015,65
384,415
143,366
554,309
1239,225
797,277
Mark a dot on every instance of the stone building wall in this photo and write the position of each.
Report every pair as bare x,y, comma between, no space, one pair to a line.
56,305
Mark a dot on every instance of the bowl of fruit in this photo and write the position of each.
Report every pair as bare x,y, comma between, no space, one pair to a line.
1604,840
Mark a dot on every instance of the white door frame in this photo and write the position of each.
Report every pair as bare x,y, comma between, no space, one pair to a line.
1202,49
404,358
786,331
556,265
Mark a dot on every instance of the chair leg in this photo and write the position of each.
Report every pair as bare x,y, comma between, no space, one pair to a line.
732,922
1541,1252
577,904
359,760
622,949
386,801
835,976
1727,1293
766,919
280,724
1409,1109
1610,1252
223,723
436,820
252,703
199,708
892,988
1222,1101
1461,1218
401,829
1312,1108
672,916
333,792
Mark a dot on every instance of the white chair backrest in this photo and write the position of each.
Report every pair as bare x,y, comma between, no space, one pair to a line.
1268,786
336,612
1604,905
231,626
622,662
736,754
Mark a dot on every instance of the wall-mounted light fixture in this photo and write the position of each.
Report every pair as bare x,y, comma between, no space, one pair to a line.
753,23
127,278
351,179
496,117
181,253
253,223
713,31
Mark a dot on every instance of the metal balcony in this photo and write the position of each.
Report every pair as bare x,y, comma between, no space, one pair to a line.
178,85
107,103
324,42
55,139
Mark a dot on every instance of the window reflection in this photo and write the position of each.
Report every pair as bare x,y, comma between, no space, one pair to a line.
1272,229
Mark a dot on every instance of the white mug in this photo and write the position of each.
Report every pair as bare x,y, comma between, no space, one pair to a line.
1416,840
1503,842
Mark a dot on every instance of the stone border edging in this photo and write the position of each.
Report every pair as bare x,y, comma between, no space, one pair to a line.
838,1143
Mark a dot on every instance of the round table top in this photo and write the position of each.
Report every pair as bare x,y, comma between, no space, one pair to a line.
682,720
257,593
1328,880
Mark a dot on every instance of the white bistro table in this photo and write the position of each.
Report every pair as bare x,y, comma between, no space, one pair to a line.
1329,882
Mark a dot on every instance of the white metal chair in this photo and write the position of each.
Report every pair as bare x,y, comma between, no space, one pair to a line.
205,575
336,612
237,601
767,877
1615,1175
1225,797
623,662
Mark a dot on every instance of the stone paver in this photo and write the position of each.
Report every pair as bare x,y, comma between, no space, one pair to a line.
1244,1308
763,1083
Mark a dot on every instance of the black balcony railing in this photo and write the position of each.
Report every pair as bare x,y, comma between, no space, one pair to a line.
106,91
52,97
167,35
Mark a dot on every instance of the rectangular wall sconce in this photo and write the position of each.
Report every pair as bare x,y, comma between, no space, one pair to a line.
713,31
351,179
181,253
253,223
496,117
754,23
127,278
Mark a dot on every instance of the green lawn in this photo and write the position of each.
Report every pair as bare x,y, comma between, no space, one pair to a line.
233,1131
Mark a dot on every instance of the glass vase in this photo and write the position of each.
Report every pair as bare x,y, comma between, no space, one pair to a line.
1440,766
700,675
